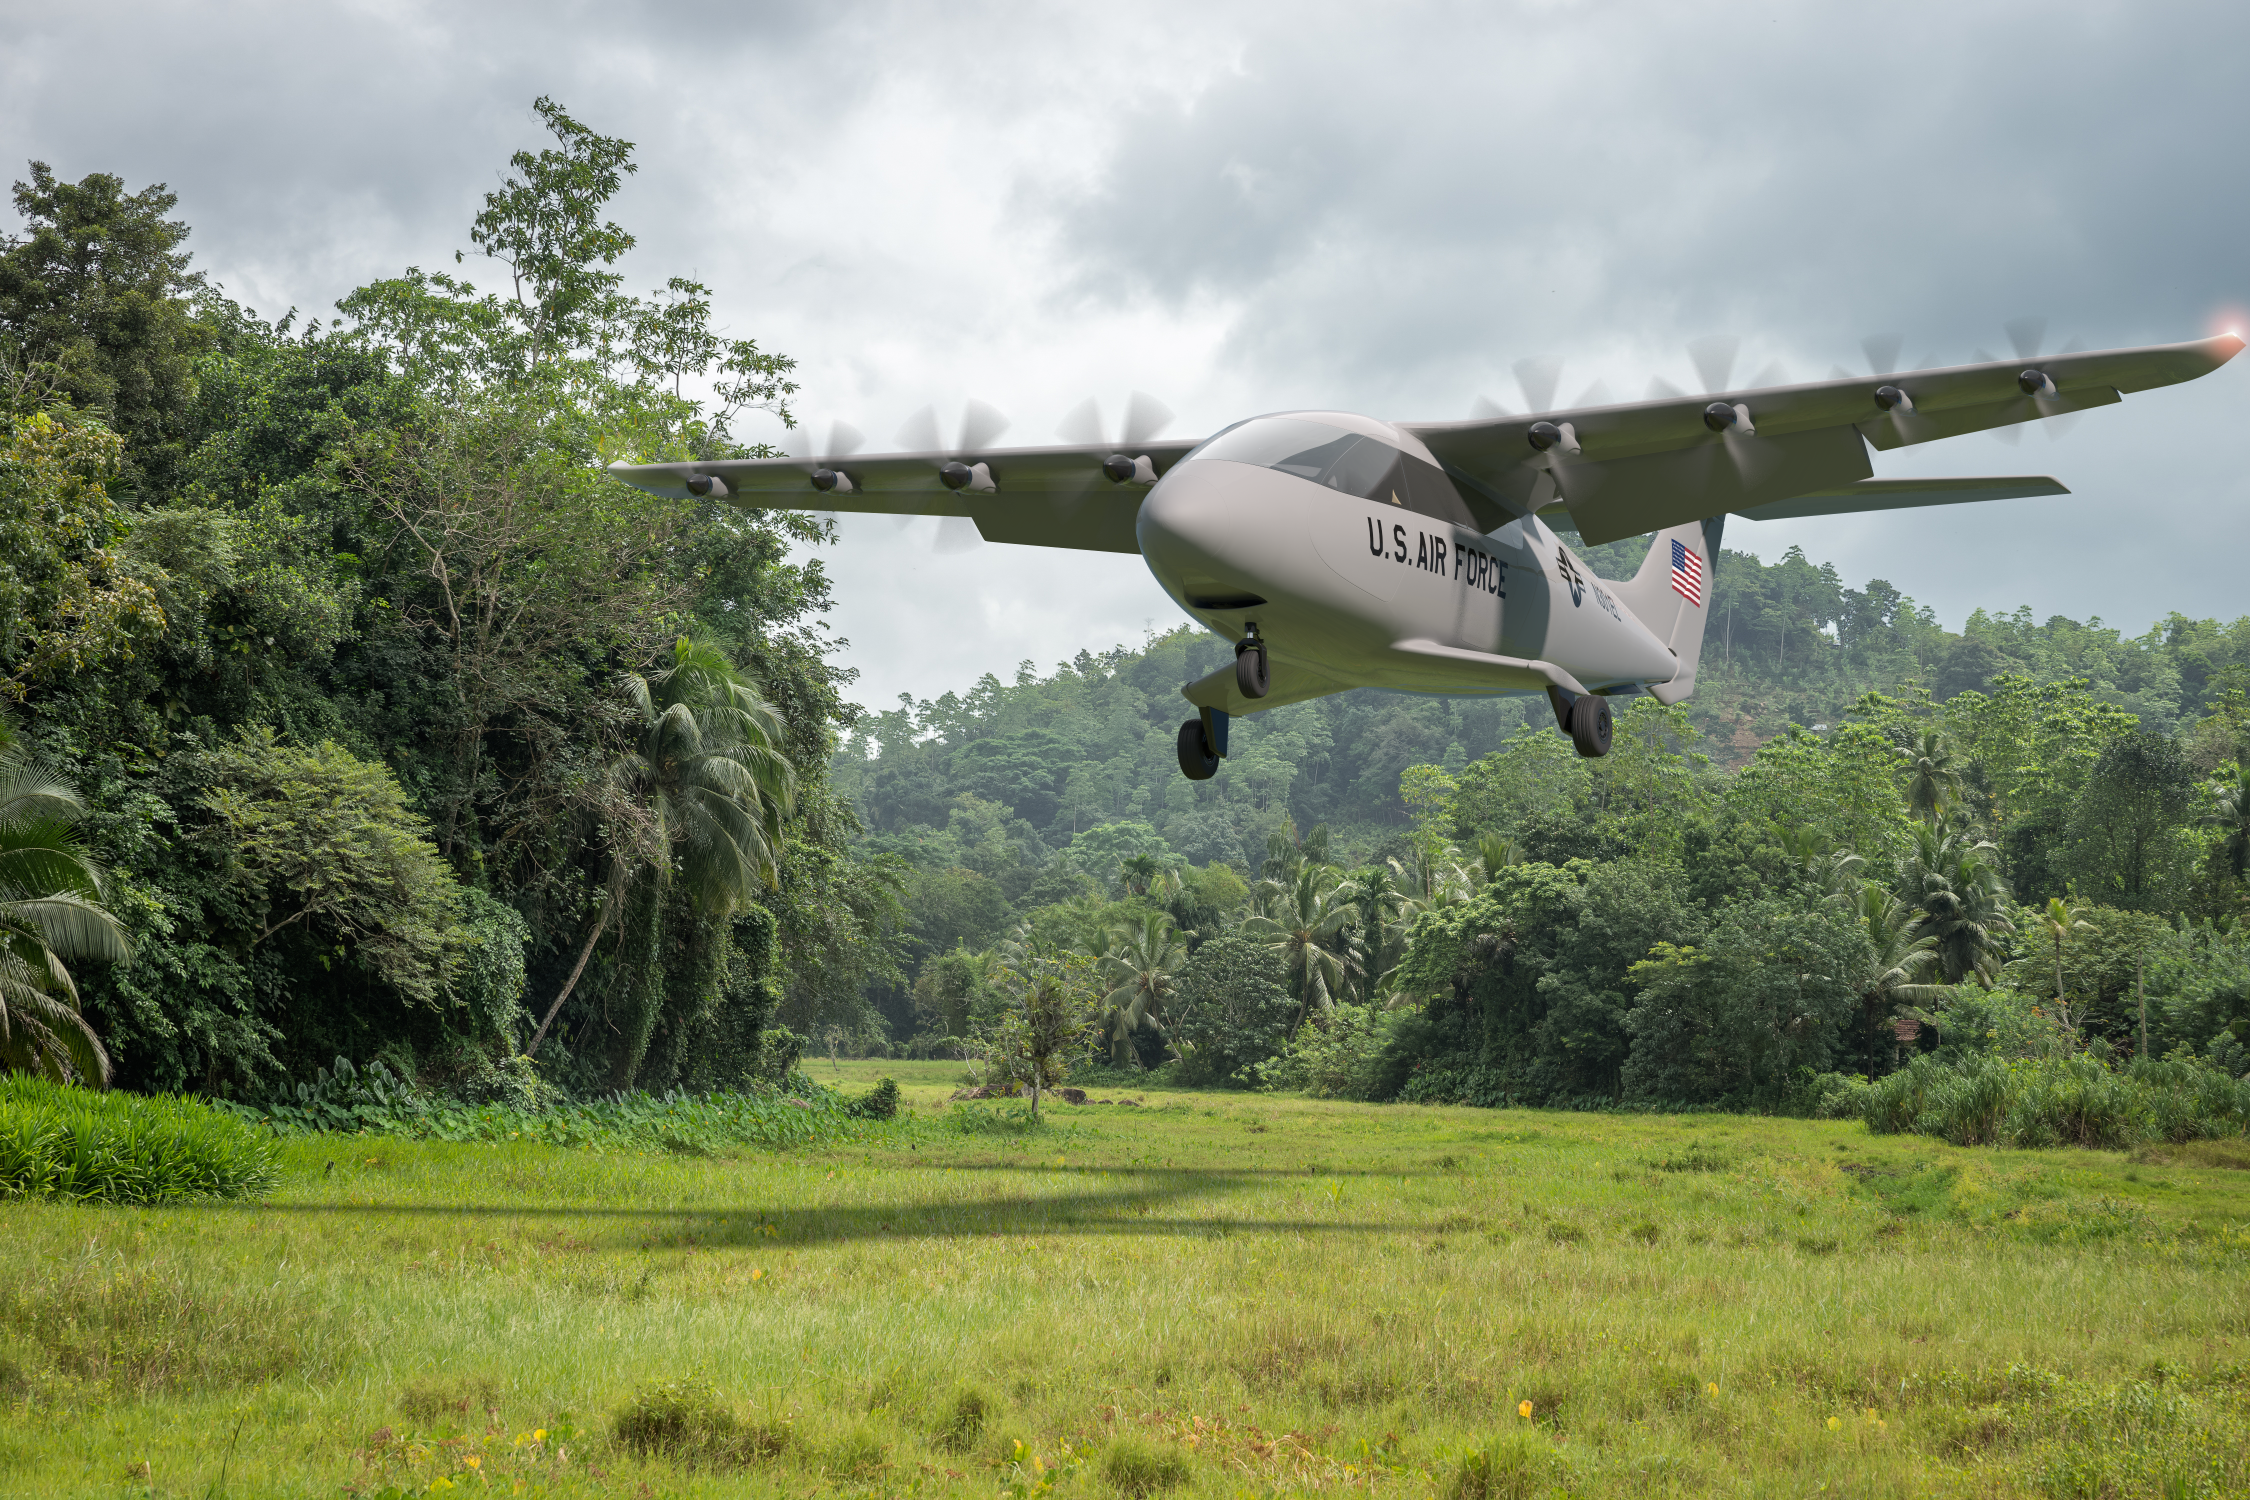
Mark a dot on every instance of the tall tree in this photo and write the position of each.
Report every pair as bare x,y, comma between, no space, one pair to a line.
1954,881
2127,835
1139,970
1301,922
702,793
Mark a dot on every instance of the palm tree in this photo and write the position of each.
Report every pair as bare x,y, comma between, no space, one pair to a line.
1832,867
2231,814
1933,781
1962,901
1300,922
1139,970
1384,912
2056,924
1495,854
709,785
50,910
1900,959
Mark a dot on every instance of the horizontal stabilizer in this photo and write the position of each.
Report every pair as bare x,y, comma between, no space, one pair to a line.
1902,494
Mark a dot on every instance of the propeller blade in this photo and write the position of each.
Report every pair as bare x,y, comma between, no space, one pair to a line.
1596,394
1714,361
1754,458
918,433
843,440
1882,351
2026,334
981,426
1145,417
1660,389
1081,426
1485,409
1773,374
1838,372
1539,377
956,534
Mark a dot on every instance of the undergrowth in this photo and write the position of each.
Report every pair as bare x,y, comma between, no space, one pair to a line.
373,1101
62,1141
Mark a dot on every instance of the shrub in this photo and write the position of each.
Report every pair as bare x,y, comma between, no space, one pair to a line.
1138,1468
2057,1101
878,1103
1337,1058
1231,1010
62,1141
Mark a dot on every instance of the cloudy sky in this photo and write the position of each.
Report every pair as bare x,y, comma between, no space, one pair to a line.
1242,208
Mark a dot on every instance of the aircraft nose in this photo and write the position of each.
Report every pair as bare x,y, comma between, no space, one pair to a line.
1185,524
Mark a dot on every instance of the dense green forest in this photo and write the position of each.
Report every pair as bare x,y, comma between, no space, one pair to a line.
351,710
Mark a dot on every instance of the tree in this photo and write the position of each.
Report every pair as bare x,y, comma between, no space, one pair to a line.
314,835
1233,1009
1933,780
1897,959
50,910
1300,921
1139,970
2056,924
703,791
1962,900
2126,836
94,312
2230,815
1049,1009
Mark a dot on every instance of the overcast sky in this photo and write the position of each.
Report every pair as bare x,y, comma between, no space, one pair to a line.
1248,208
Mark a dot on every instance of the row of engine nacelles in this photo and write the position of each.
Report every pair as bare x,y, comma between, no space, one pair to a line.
976,478
1733,416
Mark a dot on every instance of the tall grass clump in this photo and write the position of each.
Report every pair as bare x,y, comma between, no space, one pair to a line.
2073,1100
63,1141
348,1100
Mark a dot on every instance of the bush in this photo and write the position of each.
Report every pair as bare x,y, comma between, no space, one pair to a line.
1338,1058
1230,1011
62,1141
2058,1101
878,1103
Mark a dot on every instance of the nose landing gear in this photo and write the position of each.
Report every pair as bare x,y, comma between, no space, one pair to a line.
1251,674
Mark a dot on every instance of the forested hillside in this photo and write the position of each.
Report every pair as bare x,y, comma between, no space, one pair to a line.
348,708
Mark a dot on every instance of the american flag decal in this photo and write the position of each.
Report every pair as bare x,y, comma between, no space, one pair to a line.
1687,573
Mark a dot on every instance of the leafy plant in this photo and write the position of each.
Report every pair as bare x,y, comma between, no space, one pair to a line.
62,1141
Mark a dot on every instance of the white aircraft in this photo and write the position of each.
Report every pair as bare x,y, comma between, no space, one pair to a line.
1338,551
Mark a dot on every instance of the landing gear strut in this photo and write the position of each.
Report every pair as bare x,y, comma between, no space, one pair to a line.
1251,673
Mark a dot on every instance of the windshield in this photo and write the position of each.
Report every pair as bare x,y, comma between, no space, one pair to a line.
1338,460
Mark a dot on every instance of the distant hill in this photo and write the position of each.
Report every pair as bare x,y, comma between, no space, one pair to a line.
1090,742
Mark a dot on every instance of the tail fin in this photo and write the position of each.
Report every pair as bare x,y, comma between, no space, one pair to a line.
1671,595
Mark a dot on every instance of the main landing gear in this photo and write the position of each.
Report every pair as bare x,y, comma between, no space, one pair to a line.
1585,718
1203,739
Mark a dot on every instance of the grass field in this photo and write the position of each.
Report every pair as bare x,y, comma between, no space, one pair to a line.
1202,1294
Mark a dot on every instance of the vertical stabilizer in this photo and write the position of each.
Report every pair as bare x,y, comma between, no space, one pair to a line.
1671,595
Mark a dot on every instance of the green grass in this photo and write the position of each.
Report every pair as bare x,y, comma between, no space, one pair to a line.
60,1141
1205,1295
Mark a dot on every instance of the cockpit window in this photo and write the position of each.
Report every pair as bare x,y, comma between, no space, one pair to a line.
1345,461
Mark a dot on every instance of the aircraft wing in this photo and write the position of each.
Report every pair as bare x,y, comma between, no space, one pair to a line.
1048,497
1624,470
1903,494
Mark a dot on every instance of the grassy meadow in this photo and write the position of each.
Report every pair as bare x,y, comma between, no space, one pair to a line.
1196,1294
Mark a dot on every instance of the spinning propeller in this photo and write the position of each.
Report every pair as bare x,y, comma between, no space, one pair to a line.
1145,417
2026,336
981,426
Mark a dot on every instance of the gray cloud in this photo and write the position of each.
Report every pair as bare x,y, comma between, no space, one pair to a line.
1246,209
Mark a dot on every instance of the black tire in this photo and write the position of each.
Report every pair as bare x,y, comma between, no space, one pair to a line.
1197,763
1250,671
1590,725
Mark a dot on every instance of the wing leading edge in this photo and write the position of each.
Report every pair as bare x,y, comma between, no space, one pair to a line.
1624,470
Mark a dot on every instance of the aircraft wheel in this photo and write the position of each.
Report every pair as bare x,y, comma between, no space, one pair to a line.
1250,671
1197,762
1590,725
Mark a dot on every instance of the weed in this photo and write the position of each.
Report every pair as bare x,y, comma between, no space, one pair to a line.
966,1417
1513,1468
456,1402
687,1422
